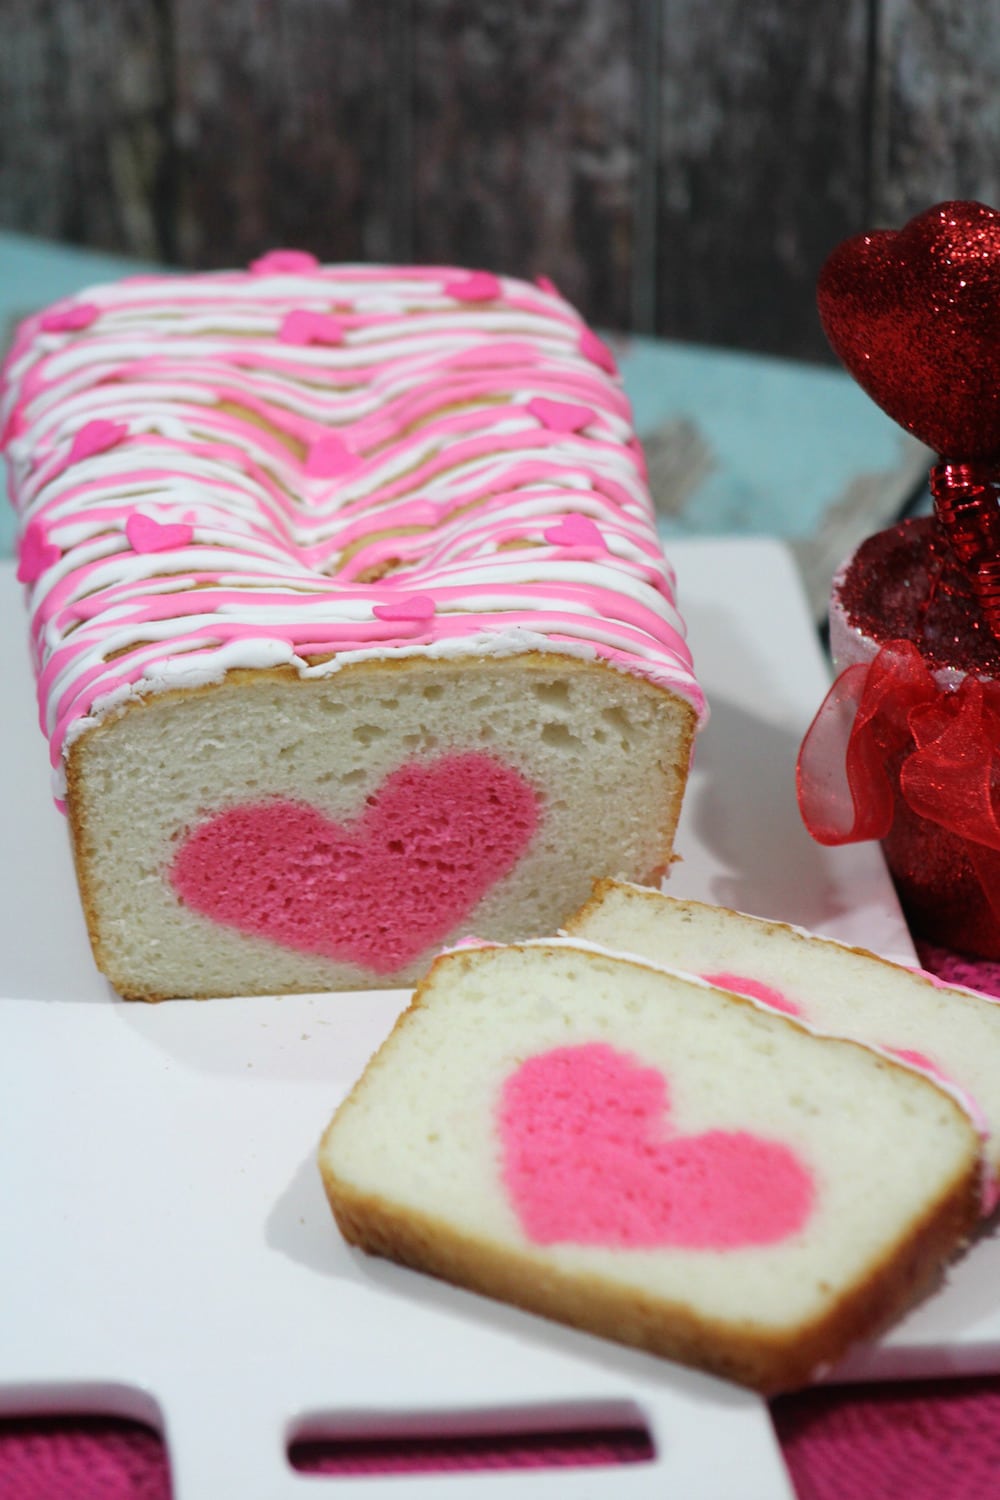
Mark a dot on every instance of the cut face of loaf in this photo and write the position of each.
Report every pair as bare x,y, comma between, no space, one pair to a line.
650,1159
952,1033
271,834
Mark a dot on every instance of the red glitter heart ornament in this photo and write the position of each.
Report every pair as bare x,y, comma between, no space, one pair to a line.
915,317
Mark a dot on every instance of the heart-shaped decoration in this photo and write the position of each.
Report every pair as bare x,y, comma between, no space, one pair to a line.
413,608
576,531
378,891
304,327
146,534
330,457
561,416
915,317
285,263
477,286
96,437
589,1158
36,553
69,318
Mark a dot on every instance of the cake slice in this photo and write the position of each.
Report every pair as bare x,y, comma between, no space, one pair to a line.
951,1033
650,1159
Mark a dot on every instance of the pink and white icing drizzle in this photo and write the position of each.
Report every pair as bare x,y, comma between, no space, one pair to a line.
313,466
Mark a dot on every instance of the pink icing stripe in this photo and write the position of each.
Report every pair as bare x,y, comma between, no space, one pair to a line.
438,387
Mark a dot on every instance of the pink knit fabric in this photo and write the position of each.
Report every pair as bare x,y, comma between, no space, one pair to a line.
81,1458
955,968
932,1440
936,1440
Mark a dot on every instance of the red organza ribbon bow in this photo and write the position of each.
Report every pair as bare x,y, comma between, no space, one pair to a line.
886,731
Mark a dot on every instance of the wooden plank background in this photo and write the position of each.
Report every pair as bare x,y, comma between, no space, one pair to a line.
676,167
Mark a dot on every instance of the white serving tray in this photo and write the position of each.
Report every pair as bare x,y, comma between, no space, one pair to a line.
166,1251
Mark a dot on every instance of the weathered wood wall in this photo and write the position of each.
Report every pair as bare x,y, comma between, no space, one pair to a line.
677,167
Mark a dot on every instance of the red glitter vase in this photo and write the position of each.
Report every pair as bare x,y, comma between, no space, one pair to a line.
906,747
905,585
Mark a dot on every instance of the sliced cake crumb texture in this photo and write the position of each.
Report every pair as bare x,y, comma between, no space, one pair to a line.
651,1159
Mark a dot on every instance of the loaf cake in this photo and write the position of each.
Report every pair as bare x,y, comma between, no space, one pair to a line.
651,1159
351,624
953,1034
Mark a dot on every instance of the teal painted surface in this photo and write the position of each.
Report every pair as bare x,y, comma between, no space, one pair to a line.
36,272
785,440
780,442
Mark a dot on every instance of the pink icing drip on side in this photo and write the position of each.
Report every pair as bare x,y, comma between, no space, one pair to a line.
919,1060
145,534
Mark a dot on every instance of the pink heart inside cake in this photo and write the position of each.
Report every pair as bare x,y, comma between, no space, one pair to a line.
431,841
590,1158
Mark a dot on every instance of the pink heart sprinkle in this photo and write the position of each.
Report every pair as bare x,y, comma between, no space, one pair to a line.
561,416
417,607
330,456
477,286
575,531
546,284
148,535
284,263
36,553
69,319
304,327
597,351
96,437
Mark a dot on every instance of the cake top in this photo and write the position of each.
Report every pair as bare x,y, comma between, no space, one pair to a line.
306,466
905,584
